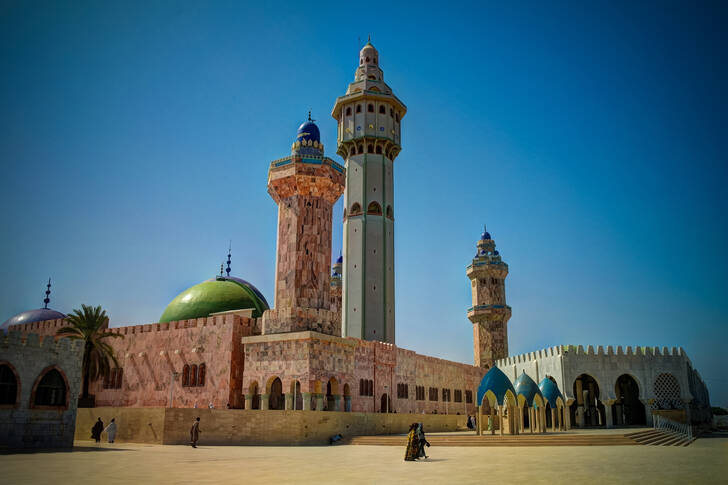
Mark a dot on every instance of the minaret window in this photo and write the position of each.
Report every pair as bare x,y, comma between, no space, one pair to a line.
396,117
358,108
382,110
379,150
370,108
391,112
374,209
348,111
370,148
390,212
361,149
355,209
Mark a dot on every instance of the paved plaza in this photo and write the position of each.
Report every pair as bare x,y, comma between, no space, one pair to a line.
705,461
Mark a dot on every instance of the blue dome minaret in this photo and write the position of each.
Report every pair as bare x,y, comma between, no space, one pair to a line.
305,185
489,312
369,119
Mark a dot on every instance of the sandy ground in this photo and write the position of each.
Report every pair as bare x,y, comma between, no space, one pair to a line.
705,461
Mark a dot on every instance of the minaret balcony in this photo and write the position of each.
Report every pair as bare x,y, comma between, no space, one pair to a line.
481,313
483,269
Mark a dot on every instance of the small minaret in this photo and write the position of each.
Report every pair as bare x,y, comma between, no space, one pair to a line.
369,119
489,312
305,185
336,285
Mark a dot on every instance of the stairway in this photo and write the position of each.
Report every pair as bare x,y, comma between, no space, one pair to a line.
660,438
564,439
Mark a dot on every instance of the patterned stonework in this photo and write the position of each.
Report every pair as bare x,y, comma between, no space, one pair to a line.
305,190
489,312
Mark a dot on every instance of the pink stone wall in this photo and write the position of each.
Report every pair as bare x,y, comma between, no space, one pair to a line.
316,360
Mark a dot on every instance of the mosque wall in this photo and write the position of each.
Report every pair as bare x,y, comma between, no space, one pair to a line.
187,363
344,374
42,416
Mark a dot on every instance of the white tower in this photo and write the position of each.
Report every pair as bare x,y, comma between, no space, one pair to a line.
369,139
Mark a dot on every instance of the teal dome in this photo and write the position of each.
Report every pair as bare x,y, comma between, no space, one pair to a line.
497,382
550,391
216,295
526,387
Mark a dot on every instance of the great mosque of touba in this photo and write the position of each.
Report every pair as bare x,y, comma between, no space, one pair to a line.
328,342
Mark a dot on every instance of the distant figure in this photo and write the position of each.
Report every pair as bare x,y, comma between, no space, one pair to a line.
470,422
210,405
111,430
228,405
335,438
195,433
96,430
412,451
422,441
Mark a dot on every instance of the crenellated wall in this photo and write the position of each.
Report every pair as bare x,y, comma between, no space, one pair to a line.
25,424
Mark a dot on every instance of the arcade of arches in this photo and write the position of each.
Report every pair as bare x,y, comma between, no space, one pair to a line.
329,397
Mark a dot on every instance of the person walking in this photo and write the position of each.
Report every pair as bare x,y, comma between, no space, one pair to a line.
412,450
97,429
195,433
422,441
111,430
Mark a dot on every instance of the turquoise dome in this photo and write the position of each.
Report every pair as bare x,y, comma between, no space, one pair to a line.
550,391
497,382
526,387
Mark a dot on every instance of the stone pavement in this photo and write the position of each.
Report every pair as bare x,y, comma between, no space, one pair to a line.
705,461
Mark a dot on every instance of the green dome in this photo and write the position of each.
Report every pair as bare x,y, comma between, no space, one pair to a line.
212,296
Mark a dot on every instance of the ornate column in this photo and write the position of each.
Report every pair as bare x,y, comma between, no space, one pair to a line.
500,418
264,401
337,402
347,404
479,423
306,401
553,420
248,401
492,420
608,412
319,402
289,401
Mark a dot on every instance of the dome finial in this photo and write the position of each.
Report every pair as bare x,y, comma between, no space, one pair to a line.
47,300
230,247
221,265
369,38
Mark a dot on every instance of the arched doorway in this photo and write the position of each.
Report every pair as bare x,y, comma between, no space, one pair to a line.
275,396
332,390
628,410
255,395
586,410
347,398
385,404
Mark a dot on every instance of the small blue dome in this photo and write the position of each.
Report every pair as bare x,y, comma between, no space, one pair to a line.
497,382
526,387
308,131
39,315
485,236
496,253
550,391
340,259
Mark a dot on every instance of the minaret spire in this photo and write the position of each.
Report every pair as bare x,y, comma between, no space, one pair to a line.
47,299
230,247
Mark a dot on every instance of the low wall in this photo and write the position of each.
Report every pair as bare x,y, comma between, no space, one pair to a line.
136,425
253,427
677,415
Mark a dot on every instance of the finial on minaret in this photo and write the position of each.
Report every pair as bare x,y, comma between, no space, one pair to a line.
47,300
369,38
221,266
230,247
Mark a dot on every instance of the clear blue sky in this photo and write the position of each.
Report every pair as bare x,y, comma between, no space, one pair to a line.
135,139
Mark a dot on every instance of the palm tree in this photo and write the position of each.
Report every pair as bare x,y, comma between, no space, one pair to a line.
91,324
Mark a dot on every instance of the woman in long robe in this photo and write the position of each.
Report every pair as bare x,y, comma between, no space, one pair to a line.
97,429
413,447
111,431
421,441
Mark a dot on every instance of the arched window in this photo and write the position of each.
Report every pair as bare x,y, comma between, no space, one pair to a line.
374,209
193,375
361,387
379,149
51,390
360,149
370,148
348,111
201,375
186,376
382,110
108,382
367,59
371,387
8,385
396,117
358,108
370,108
390,212
119,374
355,209
391,112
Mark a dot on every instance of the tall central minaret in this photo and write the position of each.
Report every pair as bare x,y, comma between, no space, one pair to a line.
369,139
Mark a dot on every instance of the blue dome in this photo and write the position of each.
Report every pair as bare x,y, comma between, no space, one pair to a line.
308,131
497,382
31,316
526,387
340,259
485,236
550,391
